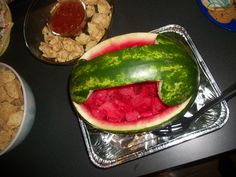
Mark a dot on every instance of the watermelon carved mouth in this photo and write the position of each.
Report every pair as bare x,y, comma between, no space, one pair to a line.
125,103
120,109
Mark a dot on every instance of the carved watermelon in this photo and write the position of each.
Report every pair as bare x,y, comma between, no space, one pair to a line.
134,82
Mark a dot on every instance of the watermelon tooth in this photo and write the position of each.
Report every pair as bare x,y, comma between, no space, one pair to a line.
127,91
122,106
132,116
98,114
112,112
101,94
146,114
115,118
148,89
89,100
137,88
114,94
126,99
99,97
157,106
141,104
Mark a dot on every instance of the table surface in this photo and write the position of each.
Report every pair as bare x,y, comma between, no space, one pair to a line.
55,145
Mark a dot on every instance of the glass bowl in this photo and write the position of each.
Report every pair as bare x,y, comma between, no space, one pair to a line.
36,20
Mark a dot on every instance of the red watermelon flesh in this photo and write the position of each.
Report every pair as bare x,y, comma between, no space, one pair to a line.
126,103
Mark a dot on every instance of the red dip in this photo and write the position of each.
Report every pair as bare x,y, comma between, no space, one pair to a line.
126,103
68,18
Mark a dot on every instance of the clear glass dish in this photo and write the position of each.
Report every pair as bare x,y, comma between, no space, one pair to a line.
107,149
37,18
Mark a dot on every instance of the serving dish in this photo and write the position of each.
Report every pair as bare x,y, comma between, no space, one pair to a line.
36,19
107,149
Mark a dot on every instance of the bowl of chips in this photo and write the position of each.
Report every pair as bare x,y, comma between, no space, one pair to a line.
17,108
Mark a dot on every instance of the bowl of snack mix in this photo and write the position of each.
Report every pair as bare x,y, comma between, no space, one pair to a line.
61,31
17,108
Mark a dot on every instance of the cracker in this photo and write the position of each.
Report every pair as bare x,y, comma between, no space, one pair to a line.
6,109
13,89
6,76
5,139
15,119
3,95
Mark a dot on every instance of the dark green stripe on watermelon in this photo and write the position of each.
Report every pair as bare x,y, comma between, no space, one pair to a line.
168,61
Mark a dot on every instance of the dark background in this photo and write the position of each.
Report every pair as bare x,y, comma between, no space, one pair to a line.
55,147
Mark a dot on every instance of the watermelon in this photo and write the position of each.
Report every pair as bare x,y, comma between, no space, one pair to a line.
134,82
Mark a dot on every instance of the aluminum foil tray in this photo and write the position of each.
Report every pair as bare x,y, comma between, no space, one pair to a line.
107,149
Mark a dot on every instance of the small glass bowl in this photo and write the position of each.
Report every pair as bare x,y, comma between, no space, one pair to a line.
56,13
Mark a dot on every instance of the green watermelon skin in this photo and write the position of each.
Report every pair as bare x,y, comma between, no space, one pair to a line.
168,61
